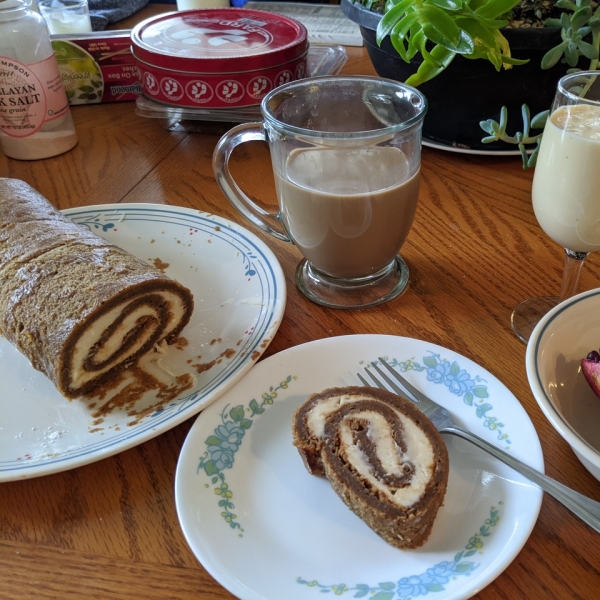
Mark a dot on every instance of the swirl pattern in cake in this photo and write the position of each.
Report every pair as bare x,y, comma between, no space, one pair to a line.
382,456
78,307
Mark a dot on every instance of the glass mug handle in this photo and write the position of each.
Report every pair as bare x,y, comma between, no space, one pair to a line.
247,132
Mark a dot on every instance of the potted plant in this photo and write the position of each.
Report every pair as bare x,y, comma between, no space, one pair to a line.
487,67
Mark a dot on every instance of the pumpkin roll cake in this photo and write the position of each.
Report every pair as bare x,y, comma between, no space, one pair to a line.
78,307
382,456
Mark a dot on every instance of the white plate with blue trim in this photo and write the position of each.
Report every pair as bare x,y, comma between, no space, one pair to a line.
491,151
240,294
266,529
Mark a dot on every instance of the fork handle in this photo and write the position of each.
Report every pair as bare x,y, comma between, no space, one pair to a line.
585,508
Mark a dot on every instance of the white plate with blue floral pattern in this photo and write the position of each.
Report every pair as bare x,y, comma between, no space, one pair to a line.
266,529
240,294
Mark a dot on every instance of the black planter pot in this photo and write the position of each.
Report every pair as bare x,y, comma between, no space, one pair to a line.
470,91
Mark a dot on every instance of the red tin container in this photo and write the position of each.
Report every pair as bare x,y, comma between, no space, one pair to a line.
218,57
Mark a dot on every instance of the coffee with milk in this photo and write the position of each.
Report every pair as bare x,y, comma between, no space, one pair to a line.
348,210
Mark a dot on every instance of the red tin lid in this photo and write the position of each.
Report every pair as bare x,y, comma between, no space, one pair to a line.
218,40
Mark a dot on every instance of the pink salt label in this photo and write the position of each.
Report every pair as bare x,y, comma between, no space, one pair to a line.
30,95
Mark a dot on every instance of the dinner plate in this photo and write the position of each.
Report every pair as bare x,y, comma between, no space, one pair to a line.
266,529
473,151
240,294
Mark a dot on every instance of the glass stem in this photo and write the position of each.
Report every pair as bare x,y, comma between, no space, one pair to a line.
573,263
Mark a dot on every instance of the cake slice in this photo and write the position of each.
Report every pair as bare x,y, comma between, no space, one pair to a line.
78,307
382,456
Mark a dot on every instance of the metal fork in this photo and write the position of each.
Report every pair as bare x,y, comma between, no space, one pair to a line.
585,508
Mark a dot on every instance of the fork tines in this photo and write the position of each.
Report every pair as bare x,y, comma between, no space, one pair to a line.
392,384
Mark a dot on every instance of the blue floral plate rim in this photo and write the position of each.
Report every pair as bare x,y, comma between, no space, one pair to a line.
252,515
242,308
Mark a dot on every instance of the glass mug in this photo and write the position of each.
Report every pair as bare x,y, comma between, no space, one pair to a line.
346,157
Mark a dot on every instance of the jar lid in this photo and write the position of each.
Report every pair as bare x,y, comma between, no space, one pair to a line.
218,40
12,4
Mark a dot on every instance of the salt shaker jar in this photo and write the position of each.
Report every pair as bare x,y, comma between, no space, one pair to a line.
35,118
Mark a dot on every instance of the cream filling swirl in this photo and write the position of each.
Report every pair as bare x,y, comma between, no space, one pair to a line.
97,349
419,450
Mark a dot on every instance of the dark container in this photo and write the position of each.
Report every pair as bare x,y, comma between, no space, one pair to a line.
470,91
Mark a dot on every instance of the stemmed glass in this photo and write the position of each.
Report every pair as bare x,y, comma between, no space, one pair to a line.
566,187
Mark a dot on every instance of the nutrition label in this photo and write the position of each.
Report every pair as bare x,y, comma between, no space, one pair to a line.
30,95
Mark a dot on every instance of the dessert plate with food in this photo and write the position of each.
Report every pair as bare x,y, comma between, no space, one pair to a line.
274,485
117,322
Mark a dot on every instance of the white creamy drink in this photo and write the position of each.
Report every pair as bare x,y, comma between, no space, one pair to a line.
566,185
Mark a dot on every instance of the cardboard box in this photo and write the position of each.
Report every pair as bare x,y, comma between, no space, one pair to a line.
97,67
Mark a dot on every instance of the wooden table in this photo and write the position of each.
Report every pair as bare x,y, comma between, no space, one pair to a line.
110,529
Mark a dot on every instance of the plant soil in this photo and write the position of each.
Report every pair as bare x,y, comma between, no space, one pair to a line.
529,13
533,13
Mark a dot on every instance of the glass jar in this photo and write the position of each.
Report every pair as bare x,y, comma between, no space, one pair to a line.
35,117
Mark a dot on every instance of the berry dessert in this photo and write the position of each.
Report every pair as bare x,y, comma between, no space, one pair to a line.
590,366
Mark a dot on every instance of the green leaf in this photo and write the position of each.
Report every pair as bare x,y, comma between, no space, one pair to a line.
401,48
463,567
567,4
526,117
481,35
210,468
435,587
539,121
581,17
245,423
489,139
430,361
437,26
487,126
571,54
496,8
468,397
390,18
388,585
529,161
430,58
402,27
237,413
553,55
398,34
480,391
514,61
383,596
503,118
418,42
583,31
454,368
588,50
482,409
552,23
255,408
465,44
447,4
213,440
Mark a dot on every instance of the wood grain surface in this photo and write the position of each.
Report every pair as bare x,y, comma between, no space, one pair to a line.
110,529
